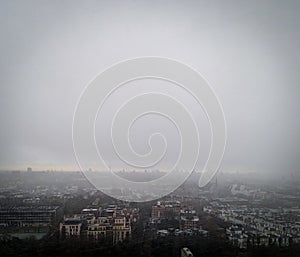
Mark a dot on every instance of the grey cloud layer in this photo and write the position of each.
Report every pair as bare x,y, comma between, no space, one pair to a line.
249,51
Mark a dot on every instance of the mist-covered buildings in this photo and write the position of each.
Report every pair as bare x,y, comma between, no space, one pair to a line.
257,226
112,224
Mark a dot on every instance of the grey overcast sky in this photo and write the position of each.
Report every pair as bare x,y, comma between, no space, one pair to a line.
247,50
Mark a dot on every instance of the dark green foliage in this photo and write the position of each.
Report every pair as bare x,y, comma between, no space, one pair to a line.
160,247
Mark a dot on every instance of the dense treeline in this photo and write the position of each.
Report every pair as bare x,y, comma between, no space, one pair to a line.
161,247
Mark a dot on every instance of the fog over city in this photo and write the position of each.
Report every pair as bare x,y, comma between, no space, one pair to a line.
149,128
247,51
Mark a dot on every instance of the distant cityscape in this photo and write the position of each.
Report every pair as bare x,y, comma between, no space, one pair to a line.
239,217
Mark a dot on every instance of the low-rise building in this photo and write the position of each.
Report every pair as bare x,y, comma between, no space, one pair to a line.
70,227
